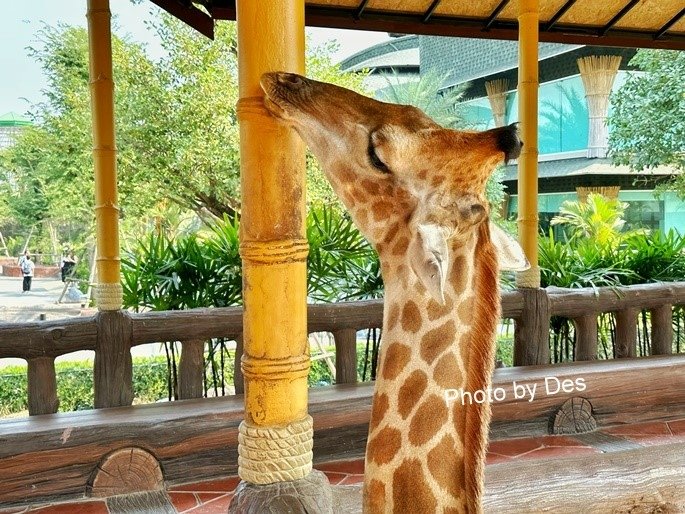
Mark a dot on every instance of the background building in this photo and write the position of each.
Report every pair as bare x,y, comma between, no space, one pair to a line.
10,125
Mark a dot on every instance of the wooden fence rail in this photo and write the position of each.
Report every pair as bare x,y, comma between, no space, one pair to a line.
112,334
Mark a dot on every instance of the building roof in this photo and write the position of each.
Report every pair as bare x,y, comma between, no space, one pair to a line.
397,52
13,119
584,166
467,59
636,23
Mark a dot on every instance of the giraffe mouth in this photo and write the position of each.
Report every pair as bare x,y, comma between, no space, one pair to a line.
279,88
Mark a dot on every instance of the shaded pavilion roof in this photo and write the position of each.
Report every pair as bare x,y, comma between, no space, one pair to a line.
629,23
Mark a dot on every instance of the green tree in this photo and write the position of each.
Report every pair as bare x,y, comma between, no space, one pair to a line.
176,122
647,123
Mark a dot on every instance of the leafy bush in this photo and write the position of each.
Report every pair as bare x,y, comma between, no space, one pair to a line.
75,384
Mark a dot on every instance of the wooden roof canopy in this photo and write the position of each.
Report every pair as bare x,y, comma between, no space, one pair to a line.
627,23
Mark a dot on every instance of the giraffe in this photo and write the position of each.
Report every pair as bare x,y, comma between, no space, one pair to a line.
416,192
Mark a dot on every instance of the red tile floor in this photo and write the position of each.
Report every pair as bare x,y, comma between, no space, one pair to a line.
214,496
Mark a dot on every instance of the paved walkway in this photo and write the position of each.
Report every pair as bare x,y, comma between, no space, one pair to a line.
16,306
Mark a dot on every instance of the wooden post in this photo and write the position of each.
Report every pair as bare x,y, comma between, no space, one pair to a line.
528,18
113,369
586,337
191,369
626,333
42,386
531,330
345,356
662,330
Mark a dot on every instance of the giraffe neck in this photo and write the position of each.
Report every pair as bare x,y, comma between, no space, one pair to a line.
423,453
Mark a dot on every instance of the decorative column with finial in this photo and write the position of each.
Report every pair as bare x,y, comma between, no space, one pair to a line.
598,73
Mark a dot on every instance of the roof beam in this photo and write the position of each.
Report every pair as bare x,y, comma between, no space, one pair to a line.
189,14
360,10
557,15
669,24
429,12
407,23
493,15
620,14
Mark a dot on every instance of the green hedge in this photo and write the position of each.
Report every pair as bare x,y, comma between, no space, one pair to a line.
75,384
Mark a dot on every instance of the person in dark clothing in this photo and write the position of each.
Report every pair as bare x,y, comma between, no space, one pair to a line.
68,264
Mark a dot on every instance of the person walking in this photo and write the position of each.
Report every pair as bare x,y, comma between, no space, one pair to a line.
27,268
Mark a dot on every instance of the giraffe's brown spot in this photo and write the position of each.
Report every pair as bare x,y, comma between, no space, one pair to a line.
447,373
345,176
422,174
411,392
380,407
401,246
393,316
371,187
392,232
465,311
382,210
435,341
428,419
385,445
359,195
411,317
396,359
458,276
374,497
456,510
437,180
435,310
447,466
410,491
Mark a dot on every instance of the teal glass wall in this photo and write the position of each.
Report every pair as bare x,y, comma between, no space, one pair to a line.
644,210
563,114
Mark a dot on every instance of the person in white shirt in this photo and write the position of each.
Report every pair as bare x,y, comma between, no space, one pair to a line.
27,268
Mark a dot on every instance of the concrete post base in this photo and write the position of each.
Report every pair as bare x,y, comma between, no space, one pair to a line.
309,495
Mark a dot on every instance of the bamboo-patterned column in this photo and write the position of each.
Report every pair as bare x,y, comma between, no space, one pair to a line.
528,19
108,291
112,367
598,73
276,437
497,95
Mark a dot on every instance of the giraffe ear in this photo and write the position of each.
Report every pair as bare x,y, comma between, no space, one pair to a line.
509,251
428,256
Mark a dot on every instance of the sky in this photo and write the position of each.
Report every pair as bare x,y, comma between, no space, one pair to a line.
21,79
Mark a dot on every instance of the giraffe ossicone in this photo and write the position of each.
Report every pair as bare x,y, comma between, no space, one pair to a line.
417,192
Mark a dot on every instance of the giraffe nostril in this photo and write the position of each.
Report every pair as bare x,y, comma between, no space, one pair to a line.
289,79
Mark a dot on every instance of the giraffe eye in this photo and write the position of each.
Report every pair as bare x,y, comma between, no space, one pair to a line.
375,160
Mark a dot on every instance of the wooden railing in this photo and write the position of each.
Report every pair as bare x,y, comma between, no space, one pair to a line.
112,334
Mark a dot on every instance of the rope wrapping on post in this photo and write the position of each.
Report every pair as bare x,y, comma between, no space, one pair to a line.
529,277
109,297
275,454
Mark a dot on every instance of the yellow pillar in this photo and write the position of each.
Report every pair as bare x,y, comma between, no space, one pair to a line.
108,291
275,439
528,161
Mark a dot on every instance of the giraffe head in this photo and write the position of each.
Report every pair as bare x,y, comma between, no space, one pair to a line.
416,190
